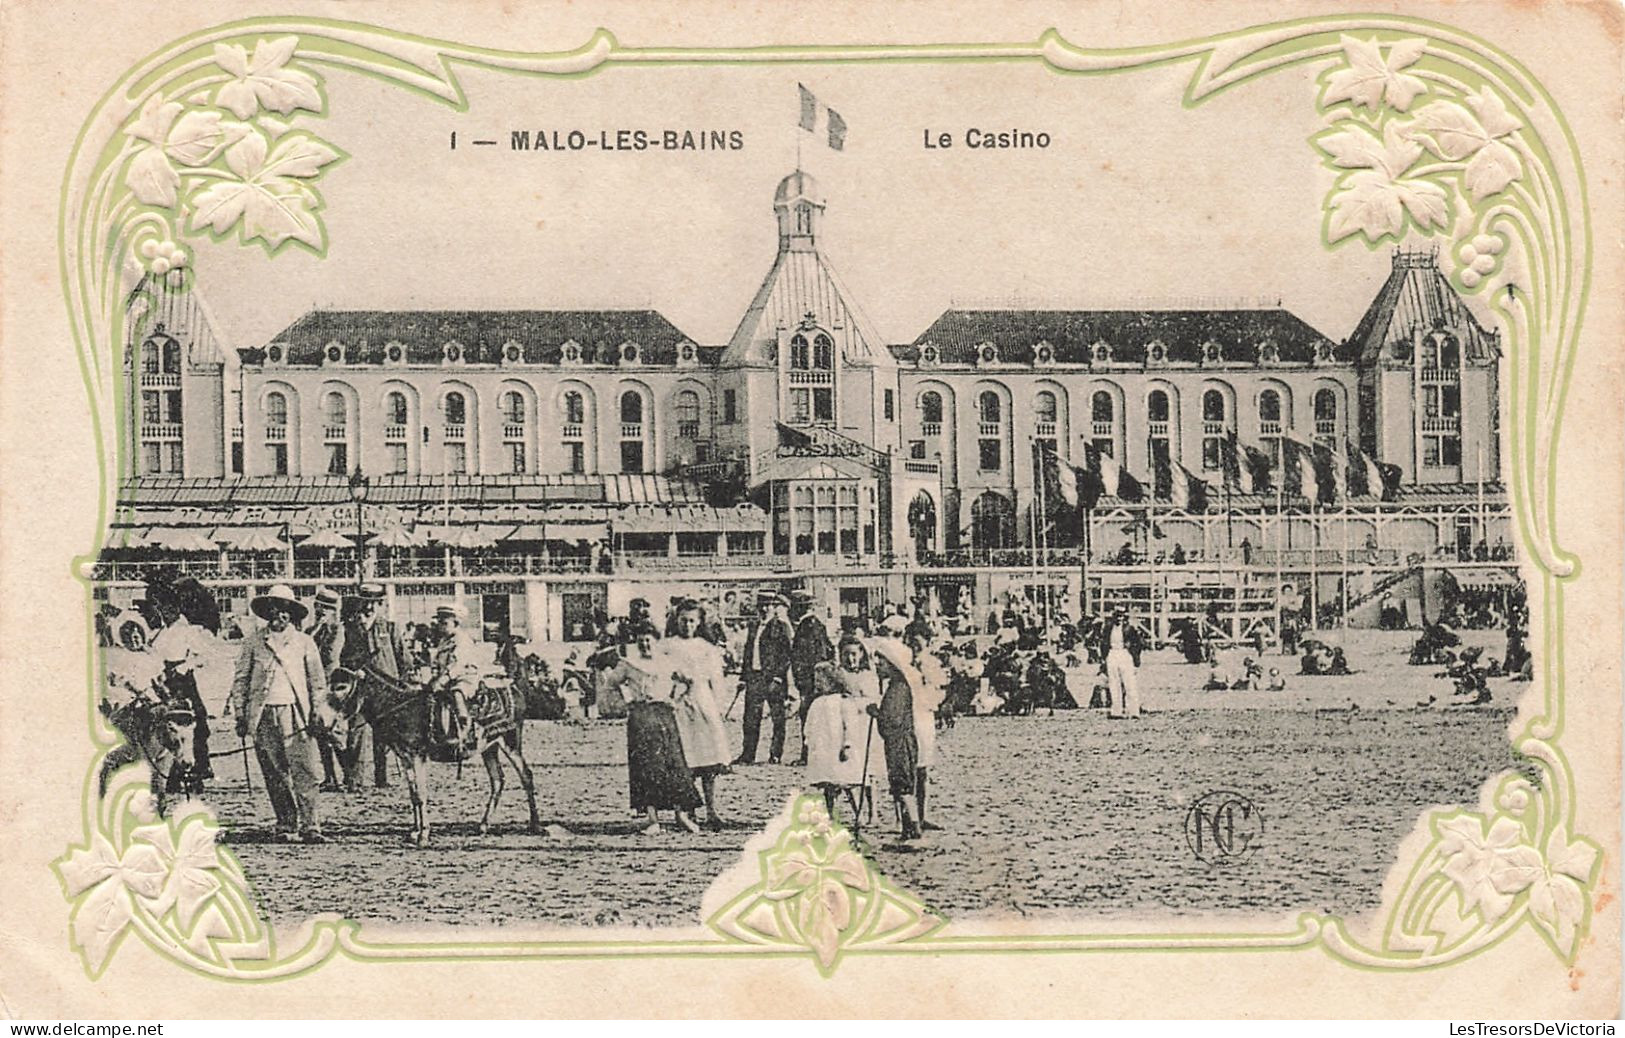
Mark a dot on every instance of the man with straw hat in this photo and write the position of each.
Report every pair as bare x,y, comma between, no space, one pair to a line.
280,695
375,654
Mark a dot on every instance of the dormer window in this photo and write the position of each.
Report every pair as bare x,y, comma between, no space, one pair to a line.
512,353
1156,353
687,355
1323,353
1100,353
928,355
1269,353
987,353
1211,354
334,354
1044,353
395,353
570,353
452,353
629,353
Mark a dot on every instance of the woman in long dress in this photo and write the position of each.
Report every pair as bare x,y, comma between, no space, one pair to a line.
838,725
697,677
927,700
657,771
899,682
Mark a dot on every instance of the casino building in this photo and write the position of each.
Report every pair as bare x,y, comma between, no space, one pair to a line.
542,464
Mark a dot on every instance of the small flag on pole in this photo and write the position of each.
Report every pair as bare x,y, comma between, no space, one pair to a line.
815,112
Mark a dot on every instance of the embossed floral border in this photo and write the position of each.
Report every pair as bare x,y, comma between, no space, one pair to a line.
1428,130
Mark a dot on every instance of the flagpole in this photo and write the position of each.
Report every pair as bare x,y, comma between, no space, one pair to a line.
1151,555
1314,560
1345,610
1280,545
1040,536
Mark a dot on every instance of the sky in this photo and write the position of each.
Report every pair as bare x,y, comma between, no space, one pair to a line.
1137,202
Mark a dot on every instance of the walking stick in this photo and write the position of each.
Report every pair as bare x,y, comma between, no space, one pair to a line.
727,715
248,769
863,784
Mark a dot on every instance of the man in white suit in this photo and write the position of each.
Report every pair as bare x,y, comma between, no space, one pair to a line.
280,695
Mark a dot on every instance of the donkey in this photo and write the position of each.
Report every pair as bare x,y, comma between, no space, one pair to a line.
158,729
400,715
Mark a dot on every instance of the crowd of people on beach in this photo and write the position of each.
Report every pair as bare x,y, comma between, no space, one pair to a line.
871,691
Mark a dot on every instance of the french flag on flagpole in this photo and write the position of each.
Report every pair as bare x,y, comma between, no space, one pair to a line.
817,116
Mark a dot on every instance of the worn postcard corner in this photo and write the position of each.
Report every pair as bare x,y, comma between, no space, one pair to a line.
871,504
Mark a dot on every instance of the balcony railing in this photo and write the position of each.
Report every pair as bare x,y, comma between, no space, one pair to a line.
1269,428
572,431
1044,428
334,433
1441,423
990,429
276,433
456,433
688,430
1159,430
931,428
1103,430
160,380
236,434
631,430
394,433
161,430
812,378
513,430
1441,374
921,468
1213,429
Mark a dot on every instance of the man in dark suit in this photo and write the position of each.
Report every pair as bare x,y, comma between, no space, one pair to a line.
373,650
765,672
810,648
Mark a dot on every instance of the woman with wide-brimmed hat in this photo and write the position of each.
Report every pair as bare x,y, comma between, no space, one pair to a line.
657,771
894,718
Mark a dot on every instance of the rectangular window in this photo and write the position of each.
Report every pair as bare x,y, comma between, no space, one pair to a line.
176,456
823,405
890,405
988,455
632,456
1430,451
916,449
338,459
150,410
1212,452
730,406
1450,450
278,458
1106,446
172,406
457,458
577,453
800,407
1452,401
397,459
151,459
1430,401
237,458
516,458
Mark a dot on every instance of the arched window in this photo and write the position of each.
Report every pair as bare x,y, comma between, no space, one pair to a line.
631,408
1159,440
1269,424
337,412
988,406
931,411
1044,406
512,405
1449,353
688,414
172,357
575,408
150,357
1101,408
276,433
276,409
823,354
800,355
395,408
1156,406
1326,416
1215,426
456,409
993,521
1103,423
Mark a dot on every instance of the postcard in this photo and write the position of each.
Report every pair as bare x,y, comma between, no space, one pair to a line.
1001,510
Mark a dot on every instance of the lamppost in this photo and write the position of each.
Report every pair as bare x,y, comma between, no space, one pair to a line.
358,493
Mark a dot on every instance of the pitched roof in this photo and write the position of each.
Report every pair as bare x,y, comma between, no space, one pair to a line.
170,304
798,284
1417,295
482,334
1073,333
